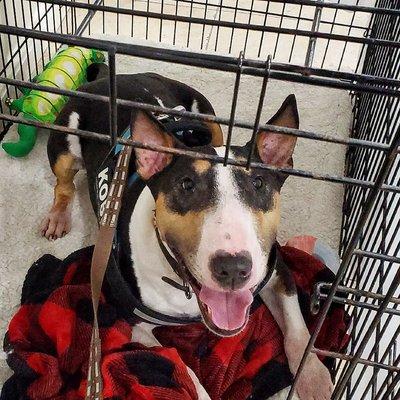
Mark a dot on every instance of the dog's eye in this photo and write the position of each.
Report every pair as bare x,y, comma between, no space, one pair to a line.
187,184
258,182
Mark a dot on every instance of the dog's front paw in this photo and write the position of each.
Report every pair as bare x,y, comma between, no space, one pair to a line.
314,381
56,224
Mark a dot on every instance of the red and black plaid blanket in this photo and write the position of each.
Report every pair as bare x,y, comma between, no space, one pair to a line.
48,342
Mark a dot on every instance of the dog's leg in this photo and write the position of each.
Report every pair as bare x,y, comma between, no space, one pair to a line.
57,222
280,296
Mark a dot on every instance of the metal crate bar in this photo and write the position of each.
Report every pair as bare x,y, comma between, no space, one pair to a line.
233,106
227,24
382,257
342,6
203,117
357,317
340,387
372,196
383,357
259,110
193,154
88,18
369,310
377,257
338,6
371,243
242,9
391,387
349,357
208,61
113,97
363,293
360,304
376,119
339,298
20,45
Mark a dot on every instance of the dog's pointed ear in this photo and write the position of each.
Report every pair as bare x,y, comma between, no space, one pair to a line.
274,148
217,137
147,130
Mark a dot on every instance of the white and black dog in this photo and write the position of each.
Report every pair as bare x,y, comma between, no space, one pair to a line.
219,222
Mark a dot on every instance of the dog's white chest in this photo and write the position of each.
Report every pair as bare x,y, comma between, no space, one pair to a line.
150,264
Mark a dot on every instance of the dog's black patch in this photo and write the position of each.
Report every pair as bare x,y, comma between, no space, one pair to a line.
275,180
256,189
284,274
184,188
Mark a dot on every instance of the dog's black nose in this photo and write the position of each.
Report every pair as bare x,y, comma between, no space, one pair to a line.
231,271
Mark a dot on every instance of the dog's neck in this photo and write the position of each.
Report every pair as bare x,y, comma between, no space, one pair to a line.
150,265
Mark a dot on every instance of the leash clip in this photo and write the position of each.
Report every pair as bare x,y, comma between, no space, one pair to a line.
184,287
188,291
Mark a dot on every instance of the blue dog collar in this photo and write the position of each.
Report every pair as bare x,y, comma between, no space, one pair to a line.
126,135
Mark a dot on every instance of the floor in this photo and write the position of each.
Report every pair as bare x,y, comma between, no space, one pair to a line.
308,206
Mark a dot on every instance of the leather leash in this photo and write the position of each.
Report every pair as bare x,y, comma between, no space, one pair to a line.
101,255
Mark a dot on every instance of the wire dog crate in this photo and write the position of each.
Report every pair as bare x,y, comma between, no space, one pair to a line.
347,45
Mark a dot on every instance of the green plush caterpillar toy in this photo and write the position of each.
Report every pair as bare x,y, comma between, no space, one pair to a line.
67,70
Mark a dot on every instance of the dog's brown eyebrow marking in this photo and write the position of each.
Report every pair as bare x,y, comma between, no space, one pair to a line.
267,223
216,132
201,166
175,227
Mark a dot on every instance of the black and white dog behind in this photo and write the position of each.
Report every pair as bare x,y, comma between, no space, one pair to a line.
220,223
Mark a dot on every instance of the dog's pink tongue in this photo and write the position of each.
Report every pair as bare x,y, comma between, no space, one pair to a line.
228,309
